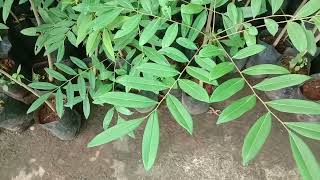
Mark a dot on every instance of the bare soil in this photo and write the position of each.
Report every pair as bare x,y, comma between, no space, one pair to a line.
311,89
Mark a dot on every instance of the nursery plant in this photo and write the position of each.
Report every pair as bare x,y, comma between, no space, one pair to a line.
158,46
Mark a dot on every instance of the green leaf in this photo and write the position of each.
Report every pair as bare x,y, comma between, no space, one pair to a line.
237,109
296,106
149,31
82,86
115,132
42,85
129,26
308,9
150,141
179,113
297,36
194,90
280,82
78,62
256,137
197,25
221,70
191,8
124,111
249,51
205,63
158,70
123,99
105,19
170,35
307,129
107,118
6,9
70,95
227,89
276,5
86,107
312,44
36,104
59,102
209,51
186,43
3,26
200,74
174,54
91,43
55,74
155,56
107,43
265,69
31,31
272,26
305,160
256,7
65,68
141,83
92,79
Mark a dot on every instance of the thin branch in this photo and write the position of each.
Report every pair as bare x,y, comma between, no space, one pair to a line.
14,17
247,3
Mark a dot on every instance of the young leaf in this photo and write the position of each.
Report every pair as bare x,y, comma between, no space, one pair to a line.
249,51
65,69
78,62
296,106
115,132
59,102
86,107
191,8
170,35
150,141
194,90
308,9
197,25
276,5
186,43
107,118
141,83
209,51
149,31
6,9
123,99
305,160
297,36
106,40
36,104
155,56
256,137
129,26
265,69
307,129
42,85
237,109
55,74
221,70
280,82
174,54
256,7
272,26
227,89
179,113
158,70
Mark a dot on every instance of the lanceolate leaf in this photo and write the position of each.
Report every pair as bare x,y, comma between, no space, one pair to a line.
249,51
141,83
36,104
200,74
209,51
86,107
79,63
6,9
227,89
70,95
150,141
115,132
305,160
256,137
281,82
155,56
65,68
221,70
205,63
55,74
307,129
295,106
170,35
237,109
59,103
42,85
129,26
191,8
174,54
186,43
194,90
272,26
256,7
276,5
197,25
265,69
105,19
107,118
82,86
309,8
108,44
123,99
149,31
158,70
179,113
297,36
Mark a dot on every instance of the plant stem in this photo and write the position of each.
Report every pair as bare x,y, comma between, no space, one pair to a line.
247,3
14,16
276,42
318,37
36,15
50,105
208,26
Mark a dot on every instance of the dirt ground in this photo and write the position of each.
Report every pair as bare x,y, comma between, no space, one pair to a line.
212,153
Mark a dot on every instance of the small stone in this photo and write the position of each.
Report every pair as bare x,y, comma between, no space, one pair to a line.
32,128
